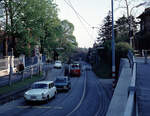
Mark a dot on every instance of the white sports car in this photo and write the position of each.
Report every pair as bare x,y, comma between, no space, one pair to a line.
41,91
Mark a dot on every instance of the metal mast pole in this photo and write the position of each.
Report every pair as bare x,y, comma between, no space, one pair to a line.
113,44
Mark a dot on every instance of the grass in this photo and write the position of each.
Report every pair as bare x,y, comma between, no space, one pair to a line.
20,84
102,70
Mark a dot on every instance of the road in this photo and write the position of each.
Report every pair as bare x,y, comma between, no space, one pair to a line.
87,97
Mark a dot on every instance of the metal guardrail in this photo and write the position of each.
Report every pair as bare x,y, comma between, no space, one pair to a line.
131,106
131,57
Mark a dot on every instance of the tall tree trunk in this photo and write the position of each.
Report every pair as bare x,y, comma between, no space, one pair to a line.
128,16
13,44
5,41
5,45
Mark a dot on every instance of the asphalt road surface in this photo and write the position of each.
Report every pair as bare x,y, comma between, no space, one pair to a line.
87,97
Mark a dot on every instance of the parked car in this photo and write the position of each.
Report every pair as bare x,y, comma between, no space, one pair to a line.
63,83
41,91
58,64
75,69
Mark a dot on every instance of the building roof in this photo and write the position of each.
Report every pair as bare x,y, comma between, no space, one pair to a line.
145,13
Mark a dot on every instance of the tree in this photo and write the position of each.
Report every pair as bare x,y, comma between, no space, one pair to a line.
128,6
67,40
105,30
35,22
122,29
121,40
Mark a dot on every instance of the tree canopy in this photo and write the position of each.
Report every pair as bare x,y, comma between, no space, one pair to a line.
28,23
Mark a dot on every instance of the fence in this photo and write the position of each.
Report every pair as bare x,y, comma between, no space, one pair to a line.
31,61
27,62
131,106
3,64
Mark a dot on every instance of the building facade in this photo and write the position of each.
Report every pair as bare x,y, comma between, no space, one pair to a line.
142,38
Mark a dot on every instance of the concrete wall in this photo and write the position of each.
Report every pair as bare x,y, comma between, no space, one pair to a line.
119,99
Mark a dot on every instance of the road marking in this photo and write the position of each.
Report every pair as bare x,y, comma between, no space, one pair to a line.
58,108
81,100
40,107
23,107
99,96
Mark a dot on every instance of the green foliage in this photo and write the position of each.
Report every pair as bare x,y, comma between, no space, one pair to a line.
122,46
102,69
21,84
105,30
36,22
122,49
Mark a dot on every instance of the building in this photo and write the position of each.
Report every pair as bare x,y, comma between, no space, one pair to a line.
142,38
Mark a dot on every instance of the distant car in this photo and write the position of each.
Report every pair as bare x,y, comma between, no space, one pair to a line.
41,91
75,69
63,83
58,64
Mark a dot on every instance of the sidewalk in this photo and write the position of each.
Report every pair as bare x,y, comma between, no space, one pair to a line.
143,87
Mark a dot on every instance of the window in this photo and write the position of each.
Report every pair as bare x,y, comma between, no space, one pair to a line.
39,86
51,85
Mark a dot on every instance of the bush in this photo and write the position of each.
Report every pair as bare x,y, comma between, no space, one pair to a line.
121,49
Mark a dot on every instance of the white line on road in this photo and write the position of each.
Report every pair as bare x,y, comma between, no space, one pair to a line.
82,98
99,96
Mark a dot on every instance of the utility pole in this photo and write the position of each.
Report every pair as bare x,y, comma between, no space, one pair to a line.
113,47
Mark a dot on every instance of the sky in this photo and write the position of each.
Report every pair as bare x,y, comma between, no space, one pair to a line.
93,13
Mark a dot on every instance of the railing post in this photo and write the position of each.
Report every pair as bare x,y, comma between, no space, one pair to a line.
22,74
10,70
31,69
22,59
8,64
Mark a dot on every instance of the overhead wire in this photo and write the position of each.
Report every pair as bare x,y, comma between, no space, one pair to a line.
79,17
79,14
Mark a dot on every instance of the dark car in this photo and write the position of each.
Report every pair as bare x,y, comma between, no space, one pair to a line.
66,70
63,83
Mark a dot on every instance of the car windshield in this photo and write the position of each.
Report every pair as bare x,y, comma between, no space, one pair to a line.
75,66
58,62
39,86
63,80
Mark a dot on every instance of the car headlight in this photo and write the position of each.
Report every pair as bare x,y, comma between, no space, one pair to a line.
43,96
25,94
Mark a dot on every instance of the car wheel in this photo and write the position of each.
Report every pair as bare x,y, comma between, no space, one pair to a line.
55,94
48,98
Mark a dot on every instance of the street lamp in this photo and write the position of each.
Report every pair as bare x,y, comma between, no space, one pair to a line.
130,20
